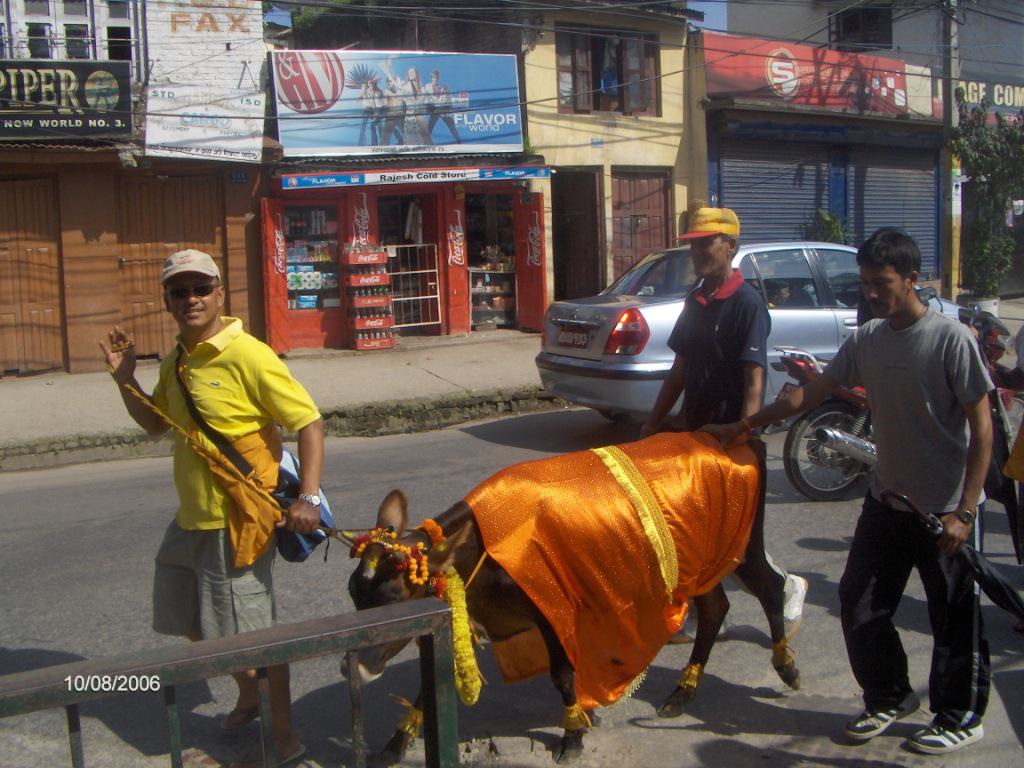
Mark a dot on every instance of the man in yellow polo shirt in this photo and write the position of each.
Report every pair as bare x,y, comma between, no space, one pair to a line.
202,588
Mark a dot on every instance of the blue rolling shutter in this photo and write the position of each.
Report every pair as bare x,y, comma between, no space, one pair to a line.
775,188
895,188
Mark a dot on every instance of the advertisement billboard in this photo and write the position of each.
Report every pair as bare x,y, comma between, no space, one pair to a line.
343,103
205,96
65,99
781,72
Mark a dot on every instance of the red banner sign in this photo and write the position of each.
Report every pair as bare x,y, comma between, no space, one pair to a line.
771,71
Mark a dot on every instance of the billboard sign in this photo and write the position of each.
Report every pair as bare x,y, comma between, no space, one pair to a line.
412,176
344,103
65,99
197,121
786,73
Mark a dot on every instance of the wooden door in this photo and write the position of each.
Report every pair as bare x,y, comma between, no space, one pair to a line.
31,329
576,225
640,216
158,217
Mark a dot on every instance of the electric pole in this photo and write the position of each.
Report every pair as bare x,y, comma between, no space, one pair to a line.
951,196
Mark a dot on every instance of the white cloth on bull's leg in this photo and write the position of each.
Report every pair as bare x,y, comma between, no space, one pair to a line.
610,544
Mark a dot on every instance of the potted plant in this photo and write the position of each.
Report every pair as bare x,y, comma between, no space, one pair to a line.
991,158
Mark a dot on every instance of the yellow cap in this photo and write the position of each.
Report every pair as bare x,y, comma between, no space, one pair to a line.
705,222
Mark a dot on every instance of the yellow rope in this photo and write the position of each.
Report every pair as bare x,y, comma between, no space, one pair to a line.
476,570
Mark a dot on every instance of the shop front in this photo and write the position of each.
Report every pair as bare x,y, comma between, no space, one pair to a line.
793,131
430,219
352,259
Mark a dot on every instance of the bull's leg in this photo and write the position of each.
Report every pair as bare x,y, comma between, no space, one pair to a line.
405,734
711,610
563,675
762,578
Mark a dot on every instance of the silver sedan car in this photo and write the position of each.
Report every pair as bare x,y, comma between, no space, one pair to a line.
610,351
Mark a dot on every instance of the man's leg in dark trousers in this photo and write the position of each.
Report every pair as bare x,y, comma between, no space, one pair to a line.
959,682
877,569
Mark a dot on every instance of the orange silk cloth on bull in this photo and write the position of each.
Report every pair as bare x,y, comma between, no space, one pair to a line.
610,544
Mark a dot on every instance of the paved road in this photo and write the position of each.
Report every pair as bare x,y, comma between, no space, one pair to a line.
78,543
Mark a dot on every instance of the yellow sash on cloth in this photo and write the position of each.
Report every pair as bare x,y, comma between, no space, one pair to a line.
611,544
251,516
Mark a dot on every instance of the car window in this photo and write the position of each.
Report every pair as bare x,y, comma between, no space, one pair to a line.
749,272
667,275
787,278
843,275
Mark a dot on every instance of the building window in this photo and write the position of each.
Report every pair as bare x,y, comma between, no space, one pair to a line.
3,42
119,43
74,7
861,28
117,9
77,43
606,71
39,44
37,7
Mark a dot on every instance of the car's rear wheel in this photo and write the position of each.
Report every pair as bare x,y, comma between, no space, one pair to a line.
820,473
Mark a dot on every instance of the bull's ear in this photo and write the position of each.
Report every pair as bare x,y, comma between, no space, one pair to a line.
439,556
393,512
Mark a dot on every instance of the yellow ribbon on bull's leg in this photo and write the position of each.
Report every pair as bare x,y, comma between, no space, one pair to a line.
691,677
575,718
412,723
781,654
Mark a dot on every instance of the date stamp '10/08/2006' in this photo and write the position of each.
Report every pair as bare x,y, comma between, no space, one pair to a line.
112,683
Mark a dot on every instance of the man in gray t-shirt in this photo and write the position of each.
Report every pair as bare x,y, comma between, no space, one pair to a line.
918,380
928,390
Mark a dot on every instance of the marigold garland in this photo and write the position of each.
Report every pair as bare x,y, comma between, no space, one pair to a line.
467,674
433,530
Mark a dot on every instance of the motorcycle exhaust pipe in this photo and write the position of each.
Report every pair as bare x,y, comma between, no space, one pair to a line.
848,445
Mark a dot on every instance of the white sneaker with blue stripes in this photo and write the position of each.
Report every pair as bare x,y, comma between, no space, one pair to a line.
871,723
938,739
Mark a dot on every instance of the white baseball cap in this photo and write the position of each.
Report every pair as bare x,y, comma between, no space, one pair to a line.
189,260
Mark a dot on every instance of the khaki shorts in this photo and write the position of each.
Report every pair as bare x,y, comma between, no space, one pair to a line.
198,591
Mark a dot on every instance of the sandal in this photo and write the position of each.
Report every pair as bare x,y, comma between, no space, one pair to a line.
240,716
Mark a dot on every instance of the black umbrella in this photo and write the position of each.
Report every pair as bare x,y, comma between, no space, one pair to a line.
992,583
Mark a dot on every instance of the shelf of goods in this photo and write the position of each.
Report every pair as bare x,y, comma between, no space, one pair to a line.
368,297
311,256
493,295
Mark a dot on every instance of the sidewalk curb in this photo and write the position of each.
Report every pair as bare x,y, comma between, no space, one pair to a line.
390,417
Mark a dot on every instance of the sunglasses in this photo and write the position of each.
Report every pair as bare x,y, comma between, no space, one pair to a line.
201,290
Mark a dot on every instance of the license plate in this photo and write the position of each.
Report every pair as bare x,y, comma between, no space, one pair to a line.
786,388
577,339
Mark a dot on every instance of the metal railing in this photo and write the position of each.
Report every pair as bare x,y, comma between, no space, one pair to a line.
429,620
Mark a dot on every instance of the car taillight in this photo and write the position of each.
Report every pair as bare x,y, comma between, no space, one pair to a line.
629,335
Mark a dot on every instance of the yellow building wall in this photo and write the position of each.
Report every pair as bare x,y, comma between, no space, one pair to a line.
676,140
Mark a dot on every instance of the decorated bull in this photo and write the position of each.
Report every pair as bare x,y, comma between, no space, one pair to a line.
581,565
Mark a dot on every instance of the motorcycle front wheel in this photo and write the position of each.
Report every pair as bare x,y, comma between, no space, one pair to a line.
820,473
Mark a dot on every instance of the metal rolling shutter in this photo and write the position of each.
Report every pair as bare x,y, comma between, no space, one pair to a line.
774,188
895,188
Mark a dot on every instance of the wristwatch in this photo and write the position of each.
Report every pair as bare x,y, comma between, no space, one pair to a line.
967,515
310,498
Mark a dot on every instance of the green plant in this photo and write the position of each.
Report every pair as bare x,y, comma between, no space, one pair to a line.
826,228
991,153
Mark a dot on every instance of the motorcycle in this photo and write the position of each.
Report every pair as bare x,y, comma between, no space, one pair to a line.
821,471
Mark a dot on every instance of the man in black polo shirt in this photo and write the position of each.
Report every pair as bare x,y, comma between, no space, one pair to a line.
720,342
